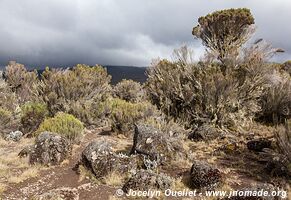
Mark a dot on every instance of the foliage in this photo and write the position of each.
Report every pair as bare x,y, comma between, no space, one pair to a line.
64,124
33,115
276,101
21,81
224,32
9,118
283,136
129,90
75,91
287,66
196,93
124,114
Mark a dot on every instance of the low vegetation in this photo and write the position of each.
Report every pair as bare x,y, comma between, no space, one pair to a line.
64,124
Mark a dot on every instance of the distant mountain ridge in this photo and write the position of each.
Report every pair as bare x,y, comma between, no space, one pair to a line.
127,72
121,72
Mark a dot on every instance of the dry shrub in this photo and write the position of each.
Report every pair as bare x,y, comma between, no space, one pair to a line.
276,101
75,91
198,93
21,81
287,67
9,109
129,90
283,136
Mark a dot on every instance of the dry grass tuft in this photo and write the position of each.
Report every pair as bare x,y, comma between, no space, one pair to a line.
12,168
114,179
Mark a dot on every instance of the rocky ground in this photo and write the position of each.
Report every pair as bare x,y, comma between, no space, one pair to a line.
236,166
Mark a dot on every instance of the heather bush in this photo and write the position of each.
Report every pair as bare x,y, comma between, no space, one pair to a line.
9,109
198,93
276,101
129,90
283,135
124,114
32,115
287,66
224,32
64,124
75,91
21,81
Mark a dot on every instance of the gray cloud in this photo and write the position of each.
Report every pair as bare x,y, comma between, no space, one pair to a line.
119,32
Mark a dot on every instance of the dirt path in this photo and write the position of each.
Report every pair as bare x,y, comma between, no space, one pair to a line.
64,176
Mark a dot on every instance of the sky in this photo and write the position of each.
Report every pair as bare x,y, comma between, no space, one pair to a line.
59,33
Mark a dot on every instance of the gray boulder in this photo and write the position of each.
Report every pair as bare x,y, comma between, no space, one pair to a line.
203,175
100,159
155,145
145,180
14,136
50,149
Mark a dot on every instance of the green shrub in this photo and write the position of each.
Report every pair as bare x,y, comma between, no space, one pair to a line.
75,91
32,116
129,90
124,114
64,124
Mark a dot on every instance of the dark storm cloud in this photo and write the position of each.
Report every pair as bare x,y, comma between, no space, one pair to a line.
119,32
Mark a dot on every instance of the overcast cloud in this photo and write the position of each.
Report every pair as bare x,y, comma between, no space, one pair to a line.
120,32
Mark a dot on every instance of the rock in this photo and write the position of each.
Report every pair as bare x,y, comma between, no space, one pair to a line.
205,132
204,176
14,136
259,144
155,145
59,194
50,149
145,180
99,158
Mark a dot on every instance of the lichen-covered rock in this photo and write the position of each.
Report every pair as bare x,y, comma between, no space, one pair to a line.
155,145
50,149
145,180
99,158
204,176
14,136
59,194
205,132
259,144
